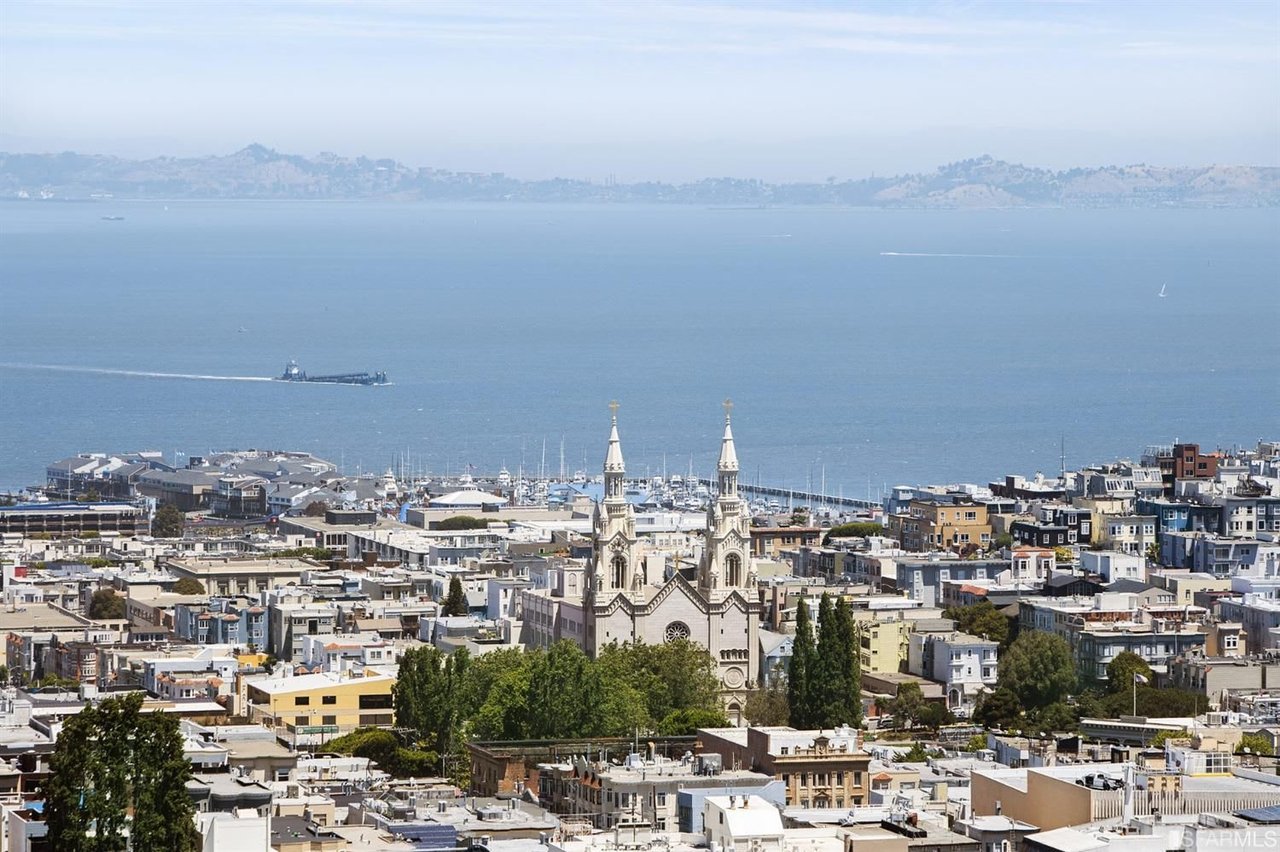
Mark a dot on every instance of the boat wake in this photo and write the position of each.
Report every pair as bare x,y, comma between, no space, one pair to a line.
136,373
942,254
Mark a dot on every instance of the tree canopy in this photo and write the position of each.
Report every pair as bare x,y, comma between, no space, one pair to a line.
111,759
860,529
461,522
455,602
106,604
168,522
825,682
188,586
1035,678
1123,670
554,693
981,619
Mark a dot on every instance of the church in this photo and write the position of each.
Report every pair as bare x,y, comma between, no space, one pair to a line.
628,598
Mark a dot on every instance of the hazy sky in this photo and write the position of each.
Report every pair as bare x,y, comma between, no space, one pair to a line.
668,90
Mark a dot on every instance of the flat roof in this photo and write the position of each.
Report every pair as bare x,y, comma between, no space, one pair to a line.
303,683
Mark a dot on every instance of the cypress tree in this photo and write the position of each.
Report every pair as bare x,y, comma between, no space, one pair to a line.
455,603
799,697
850,701
827,681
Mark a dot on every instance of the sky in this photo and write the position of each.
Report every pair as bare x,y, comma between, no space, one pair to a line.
654,90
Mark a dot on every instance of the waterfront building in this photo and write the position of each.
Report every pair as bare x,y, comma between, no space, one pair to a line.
59,520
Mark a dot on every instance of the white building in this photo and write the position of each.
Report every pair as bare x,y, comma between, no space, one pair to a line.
1112,565
626,602
965,665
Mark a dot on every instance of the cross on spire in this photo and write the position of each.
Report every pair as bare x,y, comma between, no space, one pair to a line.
728,409
613,408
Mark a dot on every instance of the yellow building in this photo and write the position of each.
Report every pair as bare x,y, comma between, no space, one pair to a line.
960,526
882,645
311,709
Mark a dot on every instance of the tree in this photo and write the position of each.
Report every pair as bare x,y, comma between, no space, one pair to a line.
106,604
1153,553
315,509
455,603
1256,743
188,586
1002,541
906,704
999,709
1063,555
1123,672
461,522
1038,668
112,759
977,742
981,619
916,754
168,522
858,530
799,697
685,722
767,706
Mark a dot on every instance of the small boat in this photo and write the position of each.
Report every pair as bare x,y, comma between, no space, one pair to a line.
1162,292
113,218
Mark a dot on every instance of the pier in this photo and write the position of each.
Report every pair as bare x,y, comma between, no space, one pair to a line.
800,498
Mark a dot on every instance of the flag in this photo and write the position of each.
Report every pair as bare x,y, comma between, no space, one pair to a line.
1137,678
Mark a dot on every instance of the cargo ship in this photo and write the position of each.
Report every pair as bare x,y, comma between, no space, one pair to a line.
294,373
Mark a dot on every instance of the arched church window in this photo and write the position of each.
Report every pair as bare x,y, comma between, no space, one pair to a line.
619,572
733,569
676,630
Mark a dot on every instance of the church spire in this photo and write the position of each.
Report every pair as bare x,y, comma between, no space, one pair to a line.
728,465
613,457
614,468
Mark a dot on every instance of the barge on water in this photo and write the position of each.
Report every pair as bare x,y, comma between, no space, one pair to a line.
294,373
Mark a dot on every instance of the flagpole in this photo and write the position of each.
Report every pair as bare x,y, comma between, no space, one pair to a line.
1135,693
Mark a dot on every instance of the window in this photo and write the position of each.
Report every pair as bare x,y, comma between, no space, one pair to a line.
733,569
329,699
301,700
619,565
328,720
299,721
375,702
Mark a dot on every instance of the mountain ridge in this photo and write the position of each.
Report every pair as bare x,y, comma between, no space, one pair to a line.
259,172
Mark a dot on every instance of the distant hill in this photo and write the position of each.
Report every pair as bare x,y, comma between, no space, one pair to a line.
260,172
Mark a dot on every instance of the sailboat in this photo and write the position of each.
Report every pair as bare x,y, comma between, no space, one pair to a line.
1162,293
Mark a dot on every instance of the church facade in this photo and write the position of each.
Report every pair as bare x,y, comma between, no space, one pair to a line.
720,610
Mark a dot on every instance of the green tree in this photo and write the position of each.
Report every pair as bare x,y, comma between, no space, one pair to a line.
315,509
981,619
455,603
1063,555
1123,672
976,742
461,522
168,522
1001,709
685,722
799,696
916,754
188,586
678,675
110,760
106,604
854,530
906,705
1256,743
1153,553
935,714
767,705
1038,668
562,686
826,681
1002,541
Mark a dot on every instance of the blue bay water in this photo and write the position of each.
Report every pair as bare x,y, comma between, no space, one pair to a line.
988,337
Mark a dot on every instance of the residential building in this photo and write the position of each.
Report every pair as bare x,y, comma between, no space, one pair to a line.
931,524
965,665
818,768
314,708
769,542
1113,566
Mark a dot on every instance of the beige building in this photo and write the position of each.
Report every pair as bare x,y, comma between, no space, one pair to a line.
935,525
241,576
819,768
627,600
